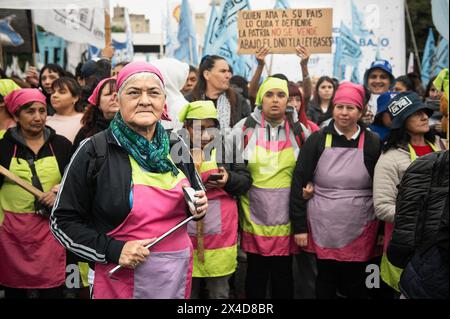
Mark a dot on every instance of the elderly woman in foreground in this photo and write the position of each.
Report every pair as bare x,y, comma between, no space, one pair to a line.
122,190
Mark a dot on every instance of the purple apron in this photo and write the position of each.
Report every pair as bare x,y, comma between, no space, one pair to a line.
167,271
341,213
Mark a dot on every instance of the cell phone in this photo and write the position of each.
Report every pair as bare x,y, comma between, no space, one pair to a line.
189,197
214,177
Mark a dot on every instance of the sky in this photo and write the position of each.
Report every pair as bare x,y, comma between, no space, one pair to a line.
155,10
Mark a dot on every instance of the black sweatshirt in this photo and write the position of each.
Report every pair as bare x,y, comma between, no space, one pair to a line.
307,161
84,215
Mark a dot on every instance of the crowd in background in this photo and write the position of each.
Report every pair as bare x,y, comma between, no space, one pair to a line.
326,177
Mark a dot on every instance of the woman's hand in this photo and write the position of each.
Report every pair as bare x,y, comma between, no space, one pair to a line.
108,52
261,54
308,191
220,183
48,199
201,204
303,53
134,253
301,239
32,76
368,117
55,189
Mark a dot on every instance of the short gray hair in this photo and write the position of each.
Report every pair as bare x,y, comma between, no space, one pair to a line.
143,76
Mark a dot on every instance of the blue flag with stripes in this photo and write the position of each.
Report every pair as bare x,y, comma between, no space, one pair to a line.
348,52
441,60
213,20
8,36
428,57
224,38
357,22
187,38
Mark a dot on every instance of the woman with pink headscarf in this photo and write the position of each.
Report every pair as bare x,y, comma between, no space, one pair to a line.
123,189
338,222
32,262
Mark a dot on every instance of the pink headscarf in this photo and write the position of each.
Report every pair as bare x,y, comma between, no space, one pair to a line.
18,98
140,67
350,93
93,99
133,68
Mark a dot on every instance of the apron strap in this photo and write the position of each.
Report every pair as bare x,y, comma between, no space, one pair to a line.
329,140
413,153
362,138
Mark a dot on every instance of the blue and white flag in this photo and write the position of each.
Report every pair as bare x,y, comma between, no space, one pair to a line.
441,60
8,36
439,10
187,38
358,22
224,39
428,57
124,51
213,21
348,52
355,75
171,27
282,4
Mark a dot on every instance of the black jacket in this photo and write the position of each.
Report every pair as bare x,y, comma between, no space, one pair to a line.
315,114
421,198
101,125
87,209
307,162
426,275
54,145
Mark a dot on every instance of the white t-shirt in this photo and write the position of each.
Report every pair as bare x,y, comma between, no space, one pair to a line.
67,126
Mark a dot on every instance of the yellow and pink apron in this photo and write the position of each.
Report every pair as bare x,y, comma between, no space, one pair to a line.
158,205
341,215
390,273
31,257
220,230
266,227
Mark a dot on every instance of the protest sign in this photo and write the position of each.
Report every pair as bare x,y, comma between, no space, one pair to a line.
283,30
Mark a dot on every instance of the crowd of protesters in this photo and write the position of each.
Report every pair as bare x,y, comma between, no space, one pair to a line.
297,187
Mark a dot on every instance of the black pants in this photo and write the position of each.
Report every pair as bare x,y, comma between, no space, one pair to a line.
346,278
261,269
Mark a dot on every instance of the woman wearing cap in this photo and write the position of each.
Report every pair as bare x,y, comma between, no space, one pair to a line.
269,148
215,242
6,119
338,222
133,195
410,137
31,257
102,108
378,79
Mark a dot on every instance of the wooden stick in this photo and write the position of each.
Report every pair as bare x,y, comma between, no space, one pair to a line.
24,184
197,156
108,39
